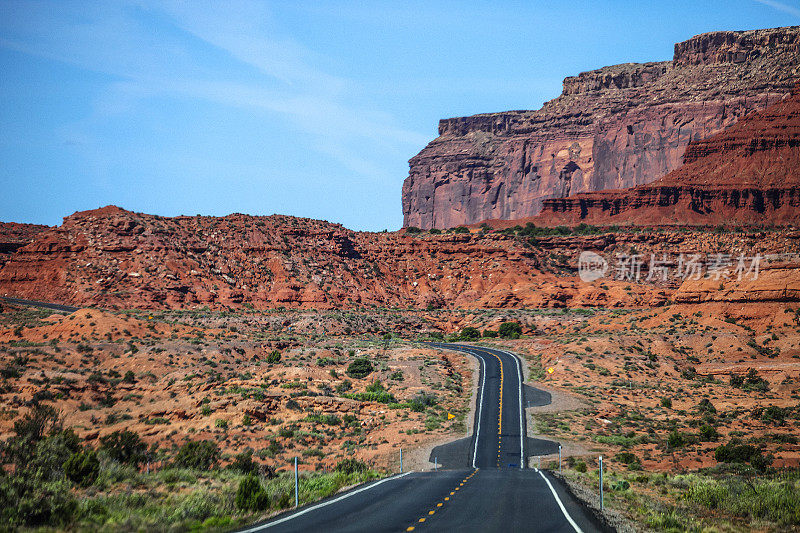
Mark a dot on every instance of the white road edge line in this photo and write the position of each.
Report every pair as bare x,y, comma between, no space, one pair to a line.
320,505
521,411
561,505
480,407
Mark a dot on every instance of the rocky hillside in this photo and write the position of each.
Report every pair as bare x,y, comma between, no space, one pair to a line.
14,236
749,173
115,258
612,128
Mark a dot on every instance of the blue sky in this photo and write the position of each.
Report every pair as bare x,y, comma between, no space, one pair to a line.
302,108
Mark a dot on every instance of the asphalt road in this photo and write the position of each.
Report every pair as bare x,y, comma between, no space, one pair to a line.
34,303
495,492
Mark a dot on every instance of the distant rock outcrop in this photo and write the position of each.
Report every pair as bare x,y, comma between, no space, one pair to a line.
749,173
612,128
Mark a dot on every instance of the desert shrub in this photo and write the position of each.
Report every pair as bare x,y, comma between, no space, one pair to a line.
130,377
774,414
470,334
736,381
421,401
676,439
360,368
510,330
461,229
244,464
708,433
666,402
489,333
737,452
274,357
200,455
705,406
413,229
627,458
124,447
580,466
350,466
251,496
82,467
761,499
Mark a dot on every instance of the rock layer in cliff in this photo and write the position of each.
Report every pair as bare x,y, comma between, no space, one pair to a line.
612,128
749,173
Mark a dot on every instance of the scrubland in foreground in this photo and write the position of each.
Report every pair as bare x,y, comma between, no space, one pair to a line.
691,405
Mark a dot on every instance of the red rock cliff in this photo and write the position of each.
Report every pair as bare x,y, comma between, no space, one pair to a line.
611,128
748,173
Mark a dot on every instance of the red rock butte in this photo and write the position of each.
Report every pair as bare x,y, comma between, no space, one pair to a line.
612,128
748,173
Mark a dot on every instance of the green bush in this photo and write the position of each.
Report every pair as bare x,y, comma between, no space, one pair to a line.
461,229
469,334
200,455
666,403
350,466
489,333
82,468
510,330
708,433
251,496
124,447
736,452
244,464
274,357
676,439
360,368
422,401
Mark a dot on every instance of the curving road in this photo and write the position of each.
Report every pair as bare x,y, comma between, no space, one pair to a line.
485,485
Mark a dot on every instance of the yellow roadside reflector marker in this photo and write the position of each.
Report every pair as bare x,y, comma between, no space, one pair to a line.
438,505
450,416
410,528
551,370
431,512
421,519
447,498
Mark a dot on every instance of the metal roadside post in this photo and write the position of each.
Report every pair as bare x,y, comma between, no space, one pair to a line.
401,460
435,464
559,458
296,486
601,482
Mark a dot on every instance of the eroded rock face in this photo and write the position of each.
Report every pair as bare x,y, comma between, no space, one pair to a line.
611,128
14,236
748,173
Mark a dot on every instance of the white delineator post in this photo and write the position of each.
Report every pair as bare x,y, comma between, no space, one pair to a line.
296,485
559,458
435,464
401,460
601,482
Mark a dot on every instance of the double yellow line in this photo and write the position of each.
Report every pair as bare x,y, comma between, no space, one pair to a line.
500,416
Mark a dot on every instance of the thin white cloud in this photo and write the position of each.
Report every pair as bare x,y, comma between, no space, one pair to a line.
118,39
780,6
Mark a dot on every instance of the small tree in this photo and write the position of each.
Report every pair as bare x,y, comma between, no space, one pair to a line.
124,447
470,334
251,496
82,468
510,330
360,368
200,455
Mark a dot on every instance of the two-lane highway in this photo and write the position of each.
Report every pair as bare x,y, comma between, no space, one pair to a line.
498,439
490,489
